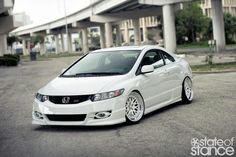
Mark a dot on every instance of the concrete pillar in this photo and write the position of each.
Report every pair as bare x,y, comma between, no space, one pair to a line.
218,24
80,39
108,34
57,45
118,35
169,28
28,46
144,30
137,40
42,47
62,43
85,47
102,36
69,43
126,33
3,44
24,47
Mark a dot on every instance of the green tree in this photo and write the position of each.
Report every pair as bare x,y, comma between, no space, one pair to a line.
37,39
190,22
230,28
11,40
208,31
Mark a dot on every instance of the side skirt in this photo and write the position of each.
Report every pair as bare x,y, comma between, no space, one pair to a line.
158,106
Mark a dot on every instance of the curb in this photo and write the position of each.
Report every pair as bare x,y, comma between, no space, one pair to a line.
213,72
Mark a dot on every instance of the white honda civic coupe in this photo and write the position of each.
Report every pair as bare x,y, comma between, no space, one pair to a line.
114,85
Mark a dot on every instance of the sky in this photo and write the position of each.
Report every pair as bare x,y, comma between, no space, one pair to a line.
41,11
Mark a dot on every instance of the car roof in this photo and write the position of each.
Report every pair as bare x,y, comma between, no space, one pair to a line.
128,48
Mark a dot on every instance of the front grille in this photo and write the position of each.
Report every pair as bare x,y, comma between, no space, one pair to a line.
70,99
73,117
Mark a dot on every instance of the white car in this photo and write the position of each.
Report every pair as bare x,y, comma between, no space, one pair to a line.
114,85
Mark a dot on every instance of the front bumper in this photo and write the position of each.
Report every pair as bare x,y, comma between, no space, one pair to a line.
115,105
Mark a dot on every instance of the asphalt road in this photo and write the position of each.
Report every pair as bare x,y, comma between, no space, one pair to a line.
166,132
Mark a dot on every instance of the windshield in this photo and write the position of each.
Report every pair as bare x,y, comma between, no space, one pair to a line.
103,64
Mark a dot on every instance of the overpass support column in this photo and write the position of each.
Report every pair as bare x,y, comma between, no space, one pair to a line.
42,47
85,47
108,33
118,35
102,36
69,42
3,44
144,30
62,43
80,40
218,24
169,28
136,31
57,43
28,46
24,47
126,33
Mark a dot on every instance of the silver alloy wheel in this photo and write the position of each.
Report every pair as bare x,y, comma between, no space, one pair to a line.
134,107
188,88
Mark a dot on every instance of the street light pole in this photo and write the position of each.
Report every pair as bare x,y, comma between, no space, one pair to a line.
66,25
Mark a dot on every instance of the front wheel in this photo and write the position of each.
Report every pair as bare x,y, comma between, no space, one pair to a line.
134,108
187,91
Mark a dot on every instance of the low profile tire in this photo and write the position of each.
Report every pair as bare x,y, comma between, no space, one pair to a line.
134,108
187,91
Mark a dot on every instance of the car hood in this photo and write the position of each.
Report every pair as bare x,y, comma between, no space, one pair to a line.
80,85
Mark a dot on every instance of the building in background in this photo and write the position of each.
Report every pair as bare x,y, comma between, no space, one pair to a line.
229,6
8,22
24,18
145,23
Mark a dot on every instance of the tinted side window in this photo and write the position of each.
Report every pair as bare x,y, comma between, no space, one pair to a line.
158,61
152,57
168,58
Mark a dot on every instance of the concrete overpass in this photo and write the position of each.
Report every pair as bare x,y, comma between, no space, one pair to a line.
107,14
8,22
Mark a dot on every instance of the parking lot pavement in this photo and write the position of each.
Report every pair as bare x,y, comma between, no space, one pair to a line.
166,132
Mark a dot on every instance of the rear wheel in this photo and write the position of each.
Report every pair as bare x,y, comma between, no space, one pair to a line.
187,91
134,108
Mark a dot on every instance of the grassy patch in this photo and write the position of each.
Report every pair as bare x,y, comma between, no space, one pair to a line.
202,44
231,46
194,45
214,67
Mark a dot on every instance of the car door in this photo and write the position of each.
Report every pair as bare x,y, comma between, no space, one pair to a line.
154,85
174,86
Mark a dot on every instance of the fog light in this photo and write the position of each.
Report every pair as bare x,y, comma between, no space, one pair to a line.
38,115
101,115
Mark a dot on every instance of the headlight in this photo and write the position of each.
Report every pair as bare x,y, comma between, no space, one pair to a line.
41,97
107,95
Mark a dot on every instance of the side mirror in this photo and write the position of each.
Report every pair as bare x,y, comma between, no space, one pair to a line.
147,69
63,70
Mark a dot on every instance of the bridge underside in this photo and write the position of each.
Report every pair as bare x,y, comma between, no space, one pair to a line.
107,15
